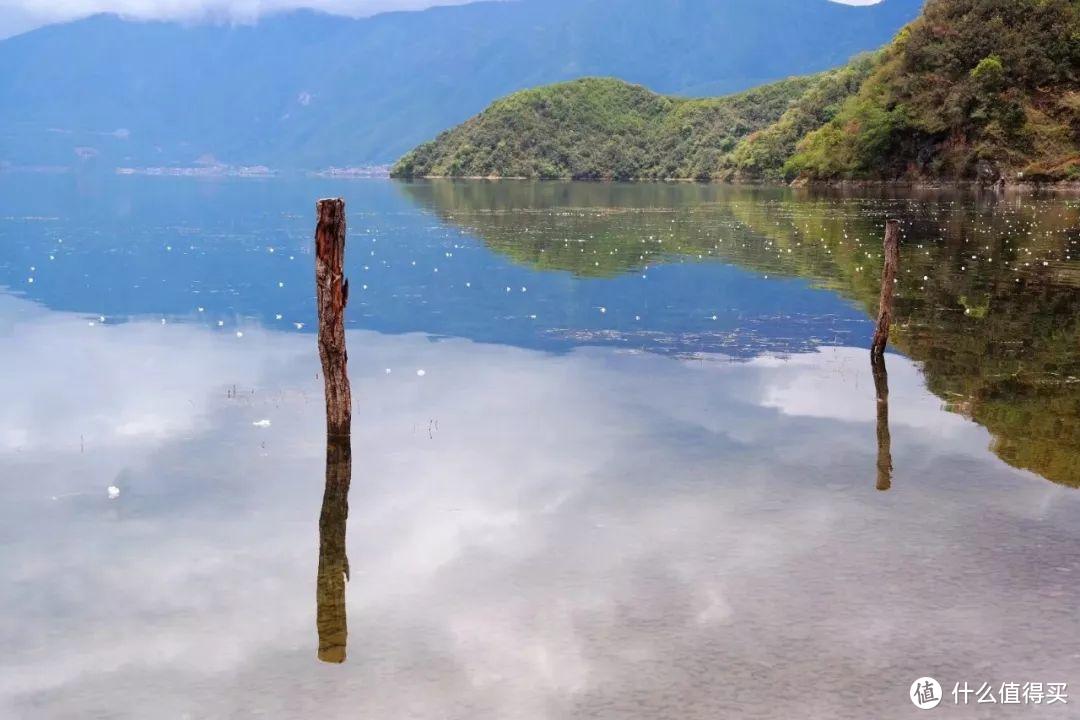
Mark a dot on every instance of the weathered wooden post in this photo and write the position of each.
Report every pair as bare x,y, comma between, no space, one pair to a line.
884,438
332,294
888,287
330,616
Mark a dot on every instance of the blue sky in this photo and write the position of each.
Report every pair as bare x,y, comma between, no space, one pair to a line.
21,15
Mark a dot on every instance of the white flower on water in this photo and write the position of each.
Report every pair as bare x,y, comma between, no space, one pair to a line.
261,423
113,491
421,373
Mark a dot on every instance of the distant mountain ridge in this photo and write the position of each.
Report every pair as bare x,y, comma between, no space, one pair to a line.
307,90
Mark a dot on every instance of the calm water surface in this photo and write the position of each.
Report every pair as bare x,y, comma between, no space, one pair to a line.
617,452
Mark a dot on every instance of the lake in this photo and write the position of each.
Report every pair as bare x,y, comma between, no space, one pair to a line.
618,451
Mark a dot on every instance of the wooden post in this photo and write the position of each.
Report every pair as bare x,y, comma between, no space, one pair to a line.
330,616
884,438
332,294
888,287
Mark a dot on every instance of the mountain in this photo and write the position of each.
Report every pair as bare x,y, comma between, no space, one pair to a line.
308,90
764,154
971,90
600,128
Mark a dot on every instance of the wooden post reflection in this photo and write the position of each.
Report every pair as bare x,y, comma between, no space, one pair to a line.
884,439
333,560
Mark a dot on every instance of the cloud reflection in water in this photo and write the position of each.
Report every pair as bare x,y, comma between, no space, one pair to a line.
598,533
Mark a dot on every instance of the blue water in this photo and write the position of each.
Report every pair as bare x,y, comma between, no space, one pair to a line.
241,250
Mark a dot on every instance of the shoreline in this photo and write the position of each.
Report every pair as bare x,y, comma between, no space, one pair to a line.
1027,186
374,173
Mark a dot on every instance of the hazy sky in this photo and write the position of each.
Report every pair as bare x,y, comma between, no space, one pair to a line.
20,15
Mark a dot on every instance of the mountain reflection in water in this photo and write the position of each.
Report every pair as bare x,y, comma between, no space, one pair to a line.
988,302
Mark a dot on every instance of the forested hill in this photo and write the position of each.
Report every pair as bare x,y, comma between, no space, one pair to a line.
307,90
972,89
600,128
